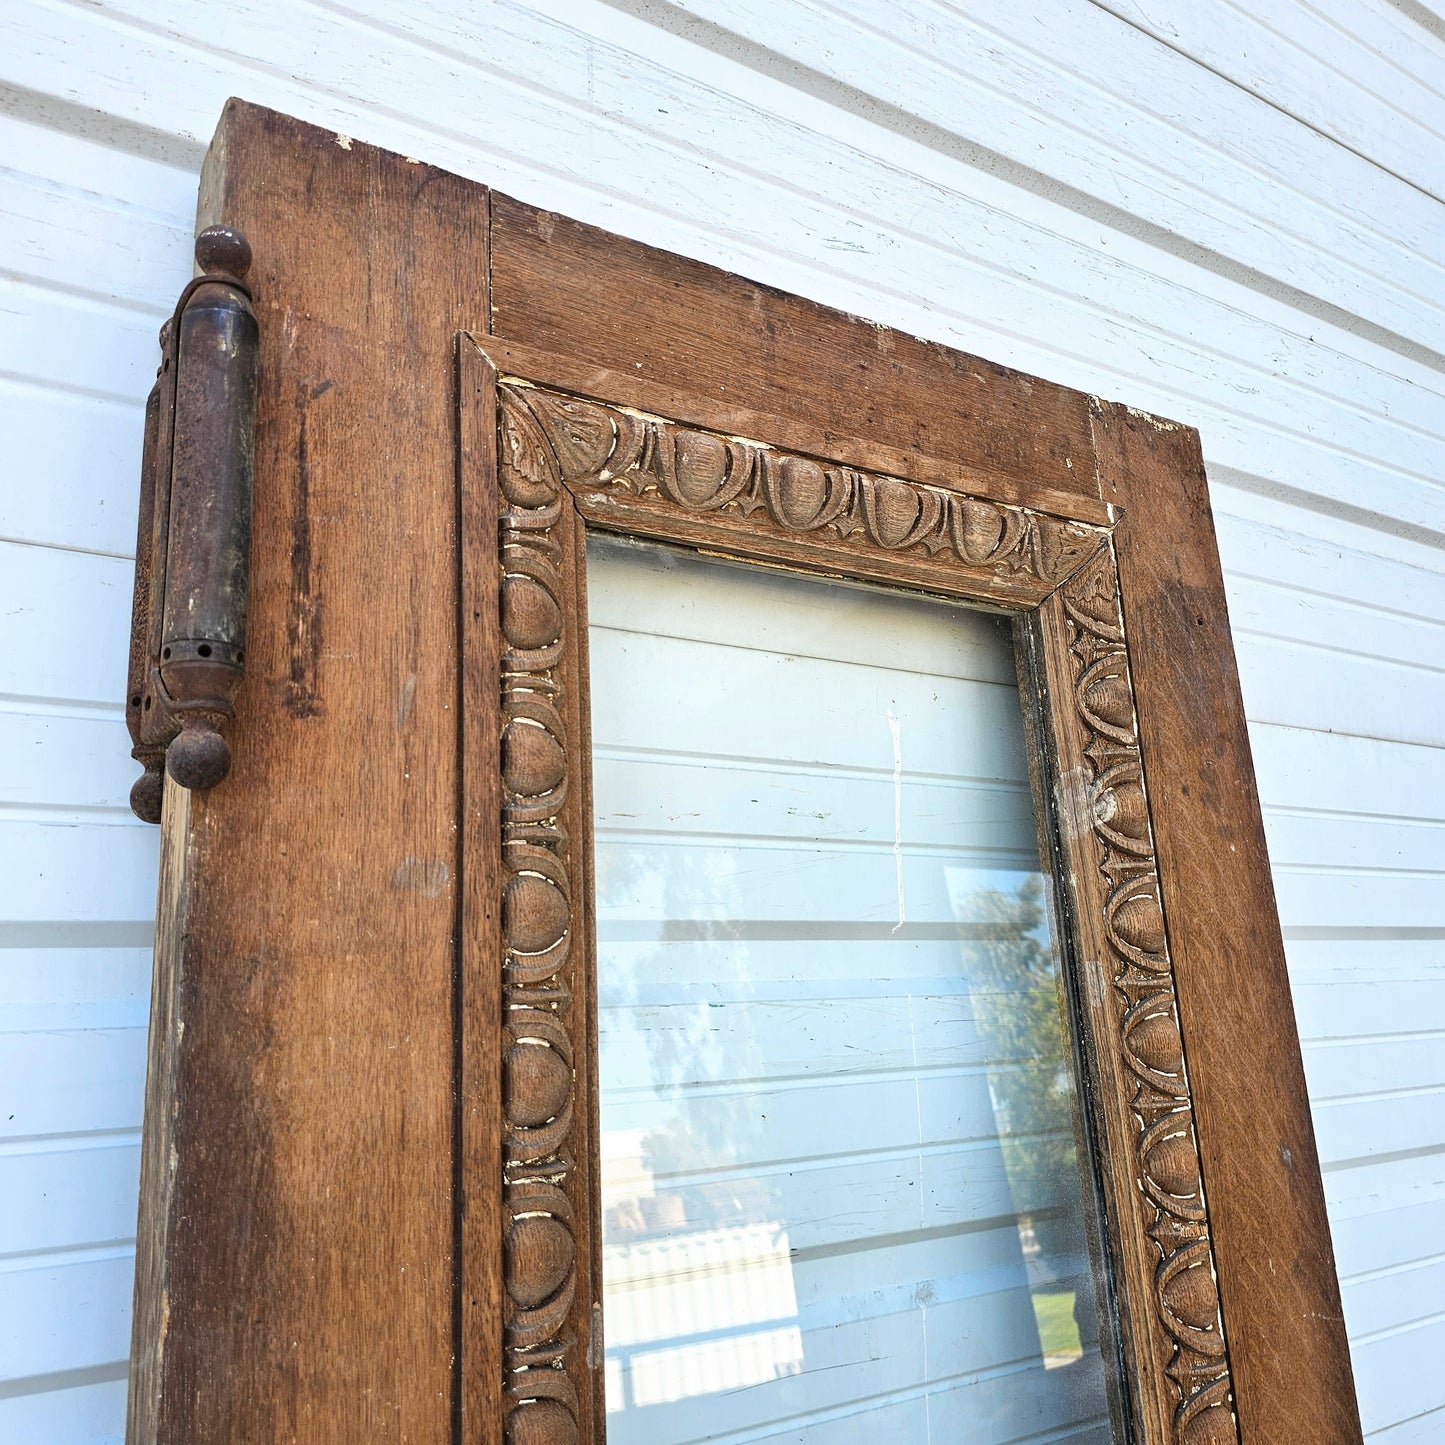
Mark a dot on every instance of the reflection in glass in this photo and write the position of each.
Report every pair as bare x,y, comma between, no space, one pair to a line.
840,1180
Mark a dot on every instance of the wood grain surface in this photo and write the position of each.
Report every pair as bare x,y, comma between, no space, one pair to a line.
670,395
563,286
1277,1280
307,1211
322,1238
479,943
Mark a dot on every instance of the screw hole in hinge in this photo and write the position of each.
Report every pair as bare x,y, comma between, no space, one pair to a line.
165,654
204,649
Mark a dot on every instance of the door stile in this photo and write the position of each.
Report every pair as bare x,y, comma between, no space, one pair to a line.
298,1203
1289,1351
1170,1313
155,1227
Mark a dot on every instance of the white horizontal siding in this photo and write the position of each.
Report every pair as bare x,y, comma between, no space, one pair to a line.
1228,213
1357,71
961,255
814,1155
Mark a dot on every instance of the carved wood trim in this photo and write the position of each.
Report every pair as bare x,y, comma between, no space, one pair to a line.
545,1187
635,472
798,429
645,474
1165,1260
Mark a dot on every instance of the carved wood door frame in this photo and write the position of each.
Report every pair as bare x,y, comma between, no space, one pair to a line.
368,1200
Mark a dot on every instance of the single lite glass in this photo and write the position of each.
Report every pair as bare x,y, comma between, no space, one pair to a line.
841,1178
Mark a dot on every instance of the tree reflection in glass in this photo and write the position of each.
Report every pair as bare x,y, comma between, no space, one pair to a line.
1022,1014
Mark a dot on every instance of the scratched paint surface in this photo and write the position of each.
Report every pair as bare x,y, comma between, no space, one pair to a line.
839,1181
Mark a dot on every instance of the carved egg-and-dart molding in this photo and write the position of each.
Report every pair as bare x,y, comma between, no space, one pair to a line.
1144,1014
646,471
609,457
539,1266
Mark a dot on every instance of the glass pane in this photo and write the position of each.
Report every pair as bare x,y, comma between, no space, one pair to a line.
840,1181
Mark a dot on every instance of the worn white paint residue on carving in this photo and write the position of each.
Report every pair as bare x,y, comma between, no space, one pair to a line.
1076,808
1159,423
895,729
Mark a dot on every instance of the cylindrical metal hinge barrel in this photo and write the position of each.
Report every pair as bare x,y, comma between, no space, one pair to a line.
203,629
193,563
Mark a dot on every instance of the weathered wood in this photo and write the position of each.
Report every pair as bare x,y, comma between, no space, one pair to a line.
308,1219
652,476
1276,1267
721,411
150,1324
366,1024
479,945
1124,986
566,287
547,1164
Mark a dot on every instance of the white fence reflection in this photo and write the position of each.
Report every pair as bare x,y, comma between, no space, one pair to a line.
694,1314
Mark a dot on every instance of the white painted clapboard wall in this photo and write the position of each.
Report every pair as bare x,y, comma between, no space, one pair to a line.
1229,213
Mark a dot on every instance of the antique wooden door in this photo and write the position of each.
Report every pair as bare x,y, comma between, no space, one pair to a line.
370,1207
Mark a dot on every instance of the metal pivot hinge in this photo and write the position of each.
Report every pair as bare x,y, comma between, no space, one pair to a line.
192,567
